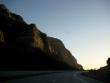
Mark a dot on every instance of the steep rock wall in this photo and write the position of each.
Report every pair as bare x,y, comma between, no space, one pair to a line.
26,38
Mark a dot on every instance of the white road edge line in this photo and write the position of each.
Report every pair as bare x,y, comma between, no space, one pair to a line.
75,75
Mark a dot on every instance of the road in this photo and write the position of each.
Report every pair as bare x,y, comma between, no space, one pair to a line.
45,77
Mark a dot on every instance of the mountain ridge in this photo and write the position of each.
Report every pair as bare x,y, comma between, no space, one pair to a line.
28,41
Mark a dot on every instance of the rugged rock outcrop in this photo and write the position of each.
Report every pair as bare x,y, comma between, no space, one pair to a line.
58,50
31,46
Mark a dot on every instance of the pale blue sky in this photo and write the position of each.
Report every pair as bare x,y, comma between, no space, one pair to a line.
83,25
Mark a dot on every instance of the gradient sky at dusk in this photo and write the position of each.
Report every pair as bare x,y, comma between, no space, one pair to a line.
82,25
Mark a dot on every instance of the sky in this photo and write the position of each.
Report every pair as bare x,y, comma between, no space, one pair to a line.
82,25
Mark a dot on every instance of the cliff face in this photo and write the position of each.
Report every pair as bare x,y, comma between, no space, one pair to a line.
26,39
58,50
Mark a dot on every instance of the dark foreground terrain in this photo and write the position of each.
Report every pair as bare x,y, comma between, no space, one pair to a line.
44,77
102,74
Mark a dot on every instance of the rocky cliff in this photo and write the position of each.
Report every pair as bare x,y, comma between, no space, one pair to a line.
31,46
58,50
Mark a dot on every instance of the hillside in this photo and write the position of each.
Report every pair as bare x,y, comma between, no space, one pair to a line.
102,74
24,46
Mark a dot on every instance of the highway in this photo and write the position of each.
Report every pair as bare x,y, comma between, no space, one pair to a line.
44,77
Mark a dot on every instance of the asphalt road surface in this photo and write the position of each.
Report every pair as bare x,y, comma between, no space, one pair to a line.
45,77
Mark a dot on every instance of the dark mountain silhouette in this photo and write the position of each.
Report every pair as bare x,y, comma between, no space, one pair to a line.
102,74
24,46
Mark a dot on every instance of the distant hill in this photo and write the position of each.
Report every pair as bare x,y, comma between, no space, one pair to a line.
102,74
24,46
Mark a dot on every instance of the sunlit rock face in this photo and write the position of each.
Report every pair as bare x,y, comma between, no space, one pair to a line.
27,39
40,39
58,51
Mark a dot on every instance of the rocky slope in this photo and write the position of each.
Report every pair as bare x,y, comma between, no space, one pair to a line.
27,46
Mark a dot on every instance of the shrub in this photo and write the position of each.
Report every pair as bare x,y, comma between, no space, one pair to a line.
108,61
